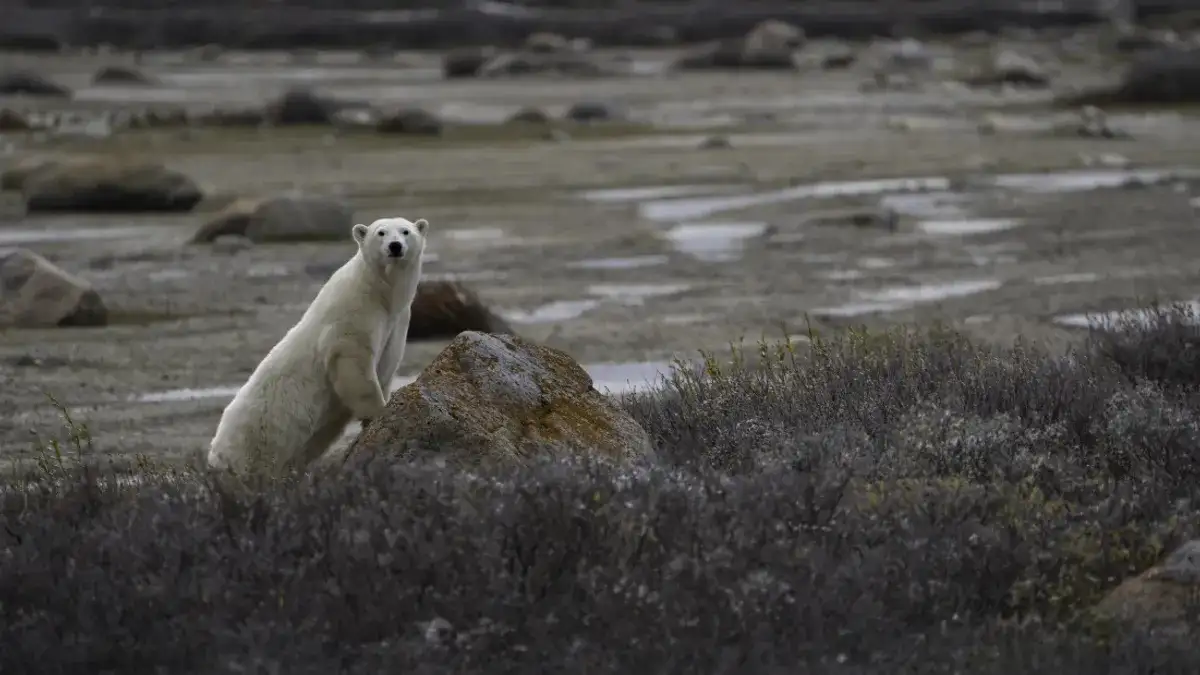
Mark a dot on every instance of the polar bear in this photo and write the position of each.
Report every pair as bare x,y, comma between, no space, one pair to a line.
335,365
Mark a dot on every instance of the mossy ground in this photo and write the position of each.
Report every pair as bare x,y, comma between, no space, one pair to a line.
882,502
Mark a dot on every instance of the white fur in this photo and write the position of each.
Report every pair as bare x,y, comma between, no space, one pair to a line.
335,365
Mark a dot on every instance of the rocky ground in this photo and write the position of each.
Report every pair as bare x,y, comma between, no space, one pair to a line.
714,206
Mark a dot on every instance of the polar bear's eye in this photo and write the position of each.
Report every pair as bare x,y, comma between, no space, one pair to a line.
404,232
381,233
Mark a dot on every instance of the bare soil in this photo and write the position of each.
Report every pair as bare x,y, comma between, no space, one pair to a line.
510,218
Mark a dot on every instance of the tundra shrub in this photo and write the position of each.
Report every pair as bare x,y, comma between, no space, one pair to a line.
895,503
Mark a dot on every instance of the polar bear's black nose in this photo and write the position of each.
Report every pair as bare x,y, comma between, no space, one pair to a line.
396,249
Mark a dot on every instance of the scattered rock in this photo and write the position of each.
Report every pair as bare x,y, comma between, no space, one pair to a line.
1093,123
529,116
1165,598
11,120
231,243
281,219
909,54
771,45
1165,77
413,121
498,398
715,142
875,218
108,185
593,111
466,61
302,106
547,43
35,293
1010,68
30,84
244,117
563,64
122,75
838,56
443,309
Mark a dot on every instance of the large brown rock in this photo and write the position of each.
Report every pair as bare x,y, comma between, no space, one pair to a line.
498,398
1164,599
281,219
35,293
107,185
443,309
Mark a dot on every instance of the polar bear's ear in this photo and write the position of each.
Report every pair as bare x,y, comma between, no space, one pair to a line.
359,232
422,225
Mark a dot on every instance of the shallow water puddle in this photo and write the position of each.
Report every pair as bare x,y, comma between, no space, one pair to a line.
559,310
933,205
32,236
905,297
1080,278
635,294
713,242
967,226
632,262
1084,180
668,210
621,195
842,275
615,378
625,378
1111,319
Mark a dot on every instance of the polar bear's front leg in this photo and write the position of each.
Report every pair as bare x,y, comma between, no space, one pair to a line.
356,383
393,354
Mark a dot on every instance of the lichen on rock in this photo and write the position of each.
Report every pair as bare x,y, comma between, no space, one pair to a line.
488,398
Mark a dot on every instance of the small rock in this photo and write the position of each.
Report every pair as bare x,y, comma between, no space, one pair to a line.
281,219
1010,68
1160,599
529,116
209,53
466,61
302,106
593,111
547,43
875,218
910,54
838,56
30,84
108,185
715,142
35,293
562,64
245,117
499,399
413,121
443,309
771,45
122,75
11,120
231,243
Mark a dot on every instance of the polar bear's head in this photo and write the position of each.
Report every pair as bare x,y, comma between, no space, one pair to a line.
391,240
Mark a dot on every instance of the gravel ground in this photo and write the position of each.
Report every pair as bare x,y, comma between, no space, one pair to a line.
710,245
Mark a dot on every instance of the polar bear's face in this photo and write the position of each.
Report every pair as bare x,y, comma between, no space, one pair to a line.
391,240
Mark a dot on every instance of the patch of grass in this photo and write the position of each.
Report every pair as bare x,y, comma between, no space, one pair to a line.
904,501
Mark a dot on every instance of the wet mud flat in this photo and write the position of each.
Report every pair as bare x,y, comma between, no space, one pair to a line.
625,249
